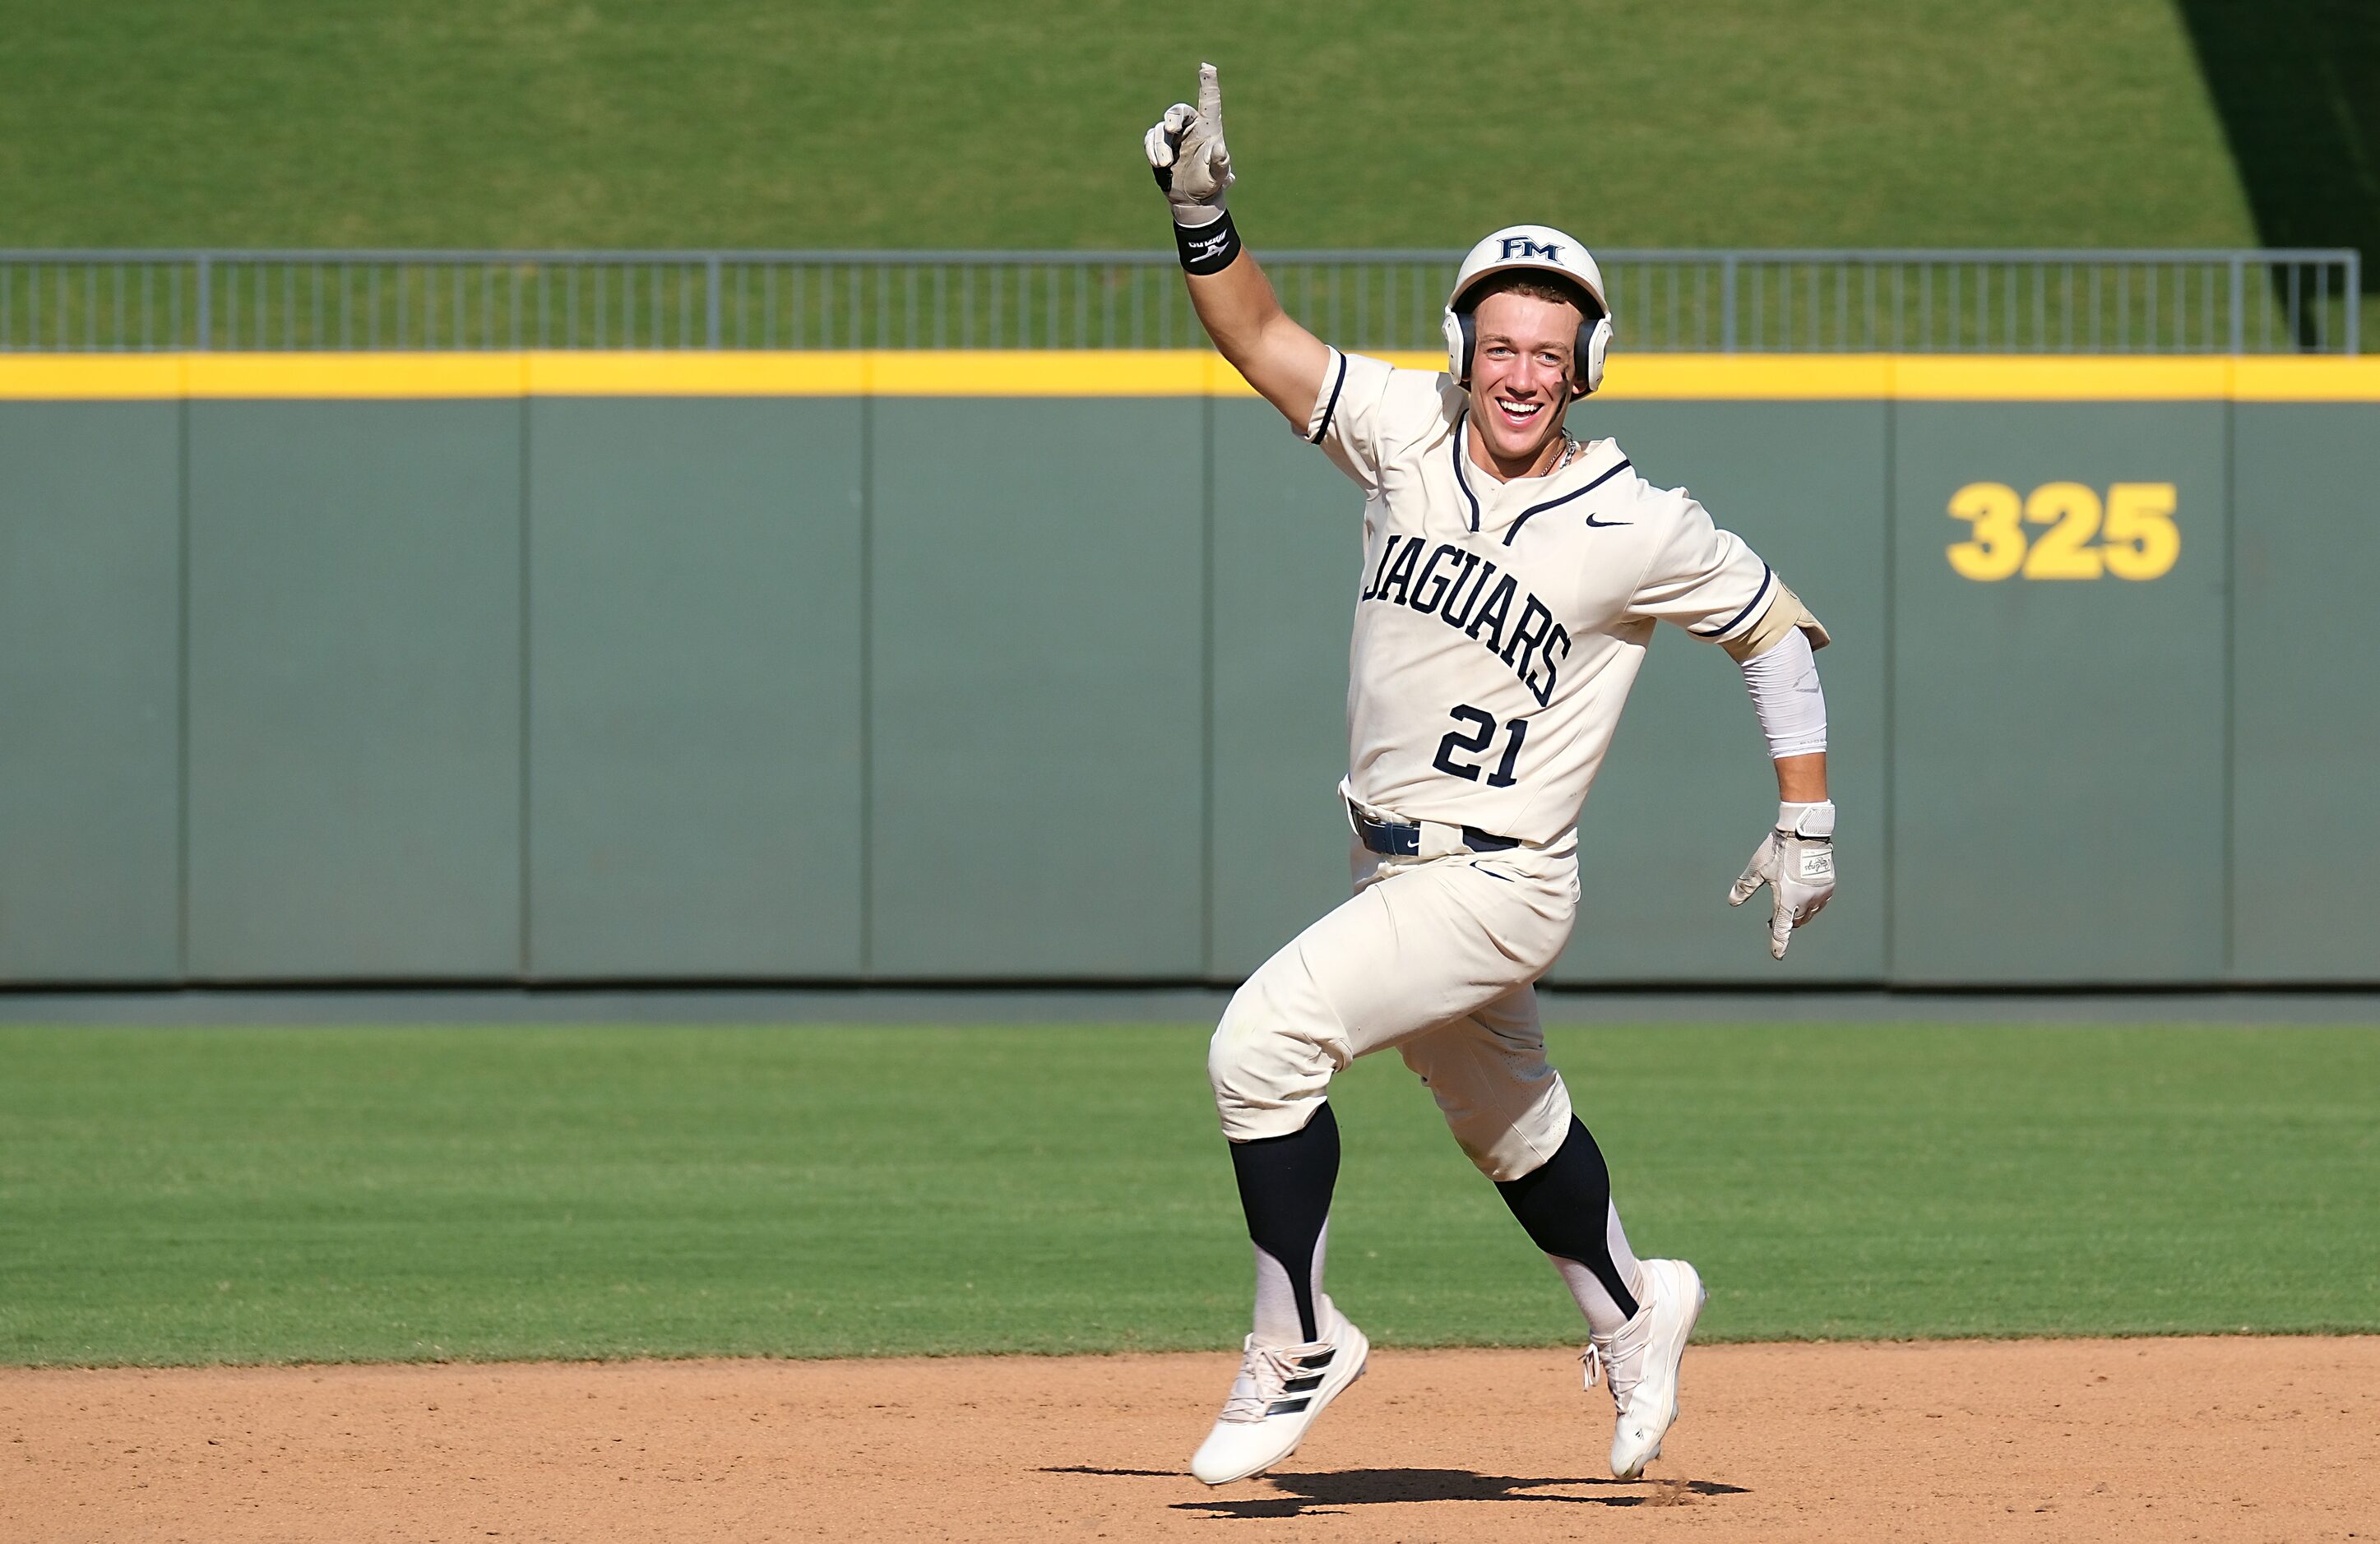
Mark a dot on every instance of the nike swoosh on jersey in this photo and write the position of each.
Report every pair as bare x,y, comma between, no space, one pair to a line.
1514,528
1606,524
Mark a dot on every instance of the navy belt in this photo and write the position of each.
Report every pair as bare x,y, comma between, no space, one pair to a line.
1395,838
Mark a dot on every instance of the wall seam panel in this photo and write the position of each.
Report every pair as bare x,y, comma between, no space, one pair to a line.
867,686
182,697
2229,684
1888,788
528,827
1206,687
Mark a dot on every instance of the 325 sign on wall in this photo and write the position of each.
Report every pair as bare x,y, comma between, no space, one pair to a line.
2130,534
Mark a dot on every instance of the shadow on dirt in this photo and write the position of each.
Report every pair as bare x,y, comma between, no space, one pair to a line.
1306,1495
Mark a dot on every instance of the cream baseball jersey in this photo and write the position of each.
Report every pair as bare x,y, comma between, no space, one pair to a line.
1499,625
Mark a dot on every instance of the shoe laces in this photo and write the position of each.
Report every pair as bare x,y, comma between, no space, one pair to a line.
1265,1373
1620,1359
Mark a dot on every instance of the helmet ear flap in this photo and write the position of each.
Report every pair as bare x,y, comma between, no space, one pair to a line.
1593,342
1461,338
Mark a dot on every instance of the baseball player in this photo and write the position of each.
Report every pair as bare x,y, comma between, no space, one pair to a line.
1512,578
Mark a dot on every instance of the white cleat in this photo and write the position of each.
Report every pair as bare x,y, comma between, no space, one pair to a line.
1278,1394
1642,1361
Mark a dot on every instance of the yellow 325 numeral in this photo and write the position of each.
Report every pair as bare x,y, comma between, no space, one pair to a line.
2138,538
1997,549
2141,541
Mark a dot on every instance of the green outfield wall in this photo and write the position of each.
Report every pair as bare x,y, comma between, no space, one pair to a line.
967,668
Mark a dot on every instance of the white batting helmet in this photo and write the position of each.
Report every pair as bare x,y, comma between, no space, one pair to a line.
1528,247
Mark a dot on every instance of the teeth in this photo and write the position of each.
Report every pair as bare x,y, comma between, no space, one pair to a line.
1521,410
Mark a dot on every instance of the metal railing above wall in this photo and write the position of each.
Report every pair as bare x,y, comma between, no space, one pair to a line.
1916,301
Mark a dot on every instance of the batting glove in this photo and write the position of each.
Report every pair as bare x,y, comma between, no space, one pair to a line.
1185,152
1797,862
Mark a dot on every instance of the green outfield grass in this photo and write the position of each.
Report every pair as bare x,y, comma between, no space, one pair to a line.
917,124
263,1195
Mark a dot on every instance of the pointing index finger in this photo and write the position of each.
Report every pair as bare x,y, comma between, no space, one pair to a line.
1210,97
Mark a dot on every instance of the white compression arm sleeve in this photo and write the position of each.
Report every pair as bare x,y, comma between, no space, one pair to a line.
1786,695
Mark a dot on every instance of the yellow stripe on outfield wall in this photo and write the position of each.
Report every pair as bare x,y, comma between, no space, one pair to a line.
1757,376
1153,373
1053,373
2096,377
2292,379
822,373
91,376
306,376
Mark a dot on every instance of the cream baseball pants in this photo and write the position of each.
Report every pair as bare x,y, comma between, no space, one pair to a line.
1436,957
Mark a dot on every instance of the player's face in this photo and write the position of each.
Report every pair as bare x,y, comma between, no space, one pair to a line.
1521,373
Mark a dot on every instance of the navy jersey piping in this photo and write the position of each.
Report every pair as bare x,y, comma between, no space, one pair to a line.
1460,481
1333,405
1767,574
1514,528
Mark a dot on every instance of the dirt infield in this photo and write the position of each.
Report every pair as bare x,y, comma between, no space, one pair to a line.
2222,1439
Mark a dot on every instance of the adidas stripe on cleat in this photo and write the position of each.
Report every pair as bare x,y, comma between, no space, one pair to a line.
1278,1395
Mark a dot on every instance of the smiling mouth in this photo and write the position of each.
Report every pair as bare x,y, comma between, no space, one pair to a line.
1519,414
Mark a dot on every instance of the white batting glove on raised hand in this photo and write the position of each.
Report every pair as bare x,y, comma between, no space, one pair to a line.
1185,151
1797,862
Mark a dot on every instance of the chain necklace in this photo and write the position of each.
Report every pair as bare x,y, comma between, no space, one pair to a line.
1570,449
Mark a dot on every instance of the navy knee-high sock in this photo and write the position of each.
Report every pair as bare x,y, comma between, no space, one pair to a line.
1285,1184
1564,1203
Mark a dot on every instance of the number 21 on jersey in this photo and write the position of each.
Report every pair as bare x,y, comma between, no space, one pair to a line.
1482,734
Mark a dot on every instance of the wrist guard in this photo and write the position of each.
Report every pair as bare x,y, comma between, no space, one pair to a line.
1208,249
